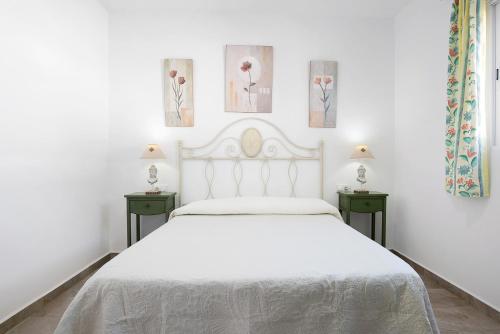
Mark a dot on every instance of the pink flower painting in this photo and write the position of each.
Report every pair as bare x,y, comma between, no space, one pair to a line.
177,89
323,94
248,78
323,84
246,67
178,92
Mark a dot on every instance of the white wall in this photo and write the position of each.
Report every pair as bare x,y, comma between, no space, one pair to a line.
456,238
139,40
53,142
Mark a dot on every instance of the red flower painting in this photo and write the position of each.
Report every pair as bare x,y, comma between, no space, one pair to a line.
246,67
325,98
177,89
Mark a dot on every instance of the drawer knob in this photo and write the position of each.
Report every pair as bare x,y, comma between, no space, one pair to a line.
367,203
148,205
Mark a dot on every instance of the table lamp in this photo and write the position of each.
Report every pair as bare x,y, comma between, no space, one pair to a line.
153,151
361,152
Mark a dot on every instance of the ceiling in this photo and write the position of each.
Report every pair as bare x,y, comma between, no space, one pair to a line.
337,8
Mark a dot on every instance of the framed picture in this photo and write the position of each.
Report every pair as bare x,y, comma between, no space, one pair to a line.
178,92
323,94
249,78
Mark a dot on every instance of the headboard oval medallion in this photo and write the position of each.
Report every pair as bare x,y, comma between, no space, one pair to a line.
251,142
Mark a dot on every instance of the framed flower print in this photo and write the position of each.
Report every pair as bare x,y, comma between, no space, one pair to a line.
249,78
323,94
178,92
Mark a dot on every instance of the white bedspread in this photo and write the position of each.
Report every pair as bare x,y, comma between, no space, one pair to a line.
210,271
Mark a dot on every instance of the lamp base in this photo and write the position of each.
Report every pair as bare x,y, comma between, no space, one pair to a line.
361,191
153,192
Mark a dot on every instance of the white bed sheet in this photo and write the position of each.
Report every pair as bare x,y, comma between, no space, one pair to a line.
252,274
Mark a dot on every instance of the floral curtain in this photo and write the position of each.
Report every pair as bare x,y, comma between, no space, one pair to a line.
466,143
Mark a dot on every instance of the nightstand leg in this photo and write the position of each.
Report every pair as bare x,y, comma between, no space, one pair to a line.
373,225
348,218
383,228
138,227
129,237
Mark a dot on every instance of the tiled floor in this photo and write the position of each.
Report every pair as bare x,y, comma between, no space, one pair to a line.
454,315
45,320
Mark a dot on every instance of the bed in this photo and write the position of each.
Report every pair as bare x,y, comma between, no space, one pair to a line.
252,264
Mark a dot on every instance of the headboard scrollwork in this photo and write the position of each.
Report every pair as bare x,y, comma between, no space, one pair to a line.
251,145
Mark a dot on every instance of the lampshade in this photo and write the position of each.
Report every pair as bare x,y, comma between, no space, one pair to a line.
153,151
362,152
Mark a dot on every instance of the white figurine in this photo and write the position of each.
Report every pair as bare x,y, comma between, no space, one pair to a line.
361,175
153,177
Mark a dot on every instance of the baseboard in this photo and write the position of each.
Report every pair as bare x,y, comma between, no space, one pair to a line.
40,302
474,301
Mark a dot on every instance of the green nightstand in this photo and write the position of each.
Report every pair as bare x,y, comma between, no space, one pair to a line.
371,202
147,205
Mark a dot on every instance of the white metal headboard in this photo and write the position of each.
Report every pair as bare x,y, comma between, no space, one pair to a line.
249,146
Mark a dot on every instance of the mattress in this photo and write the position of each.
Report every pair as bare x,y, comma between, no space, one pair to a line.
253,266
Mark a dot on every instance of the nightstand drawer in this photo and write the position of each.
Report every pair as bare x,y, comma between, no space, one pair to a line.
147,207
367,204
